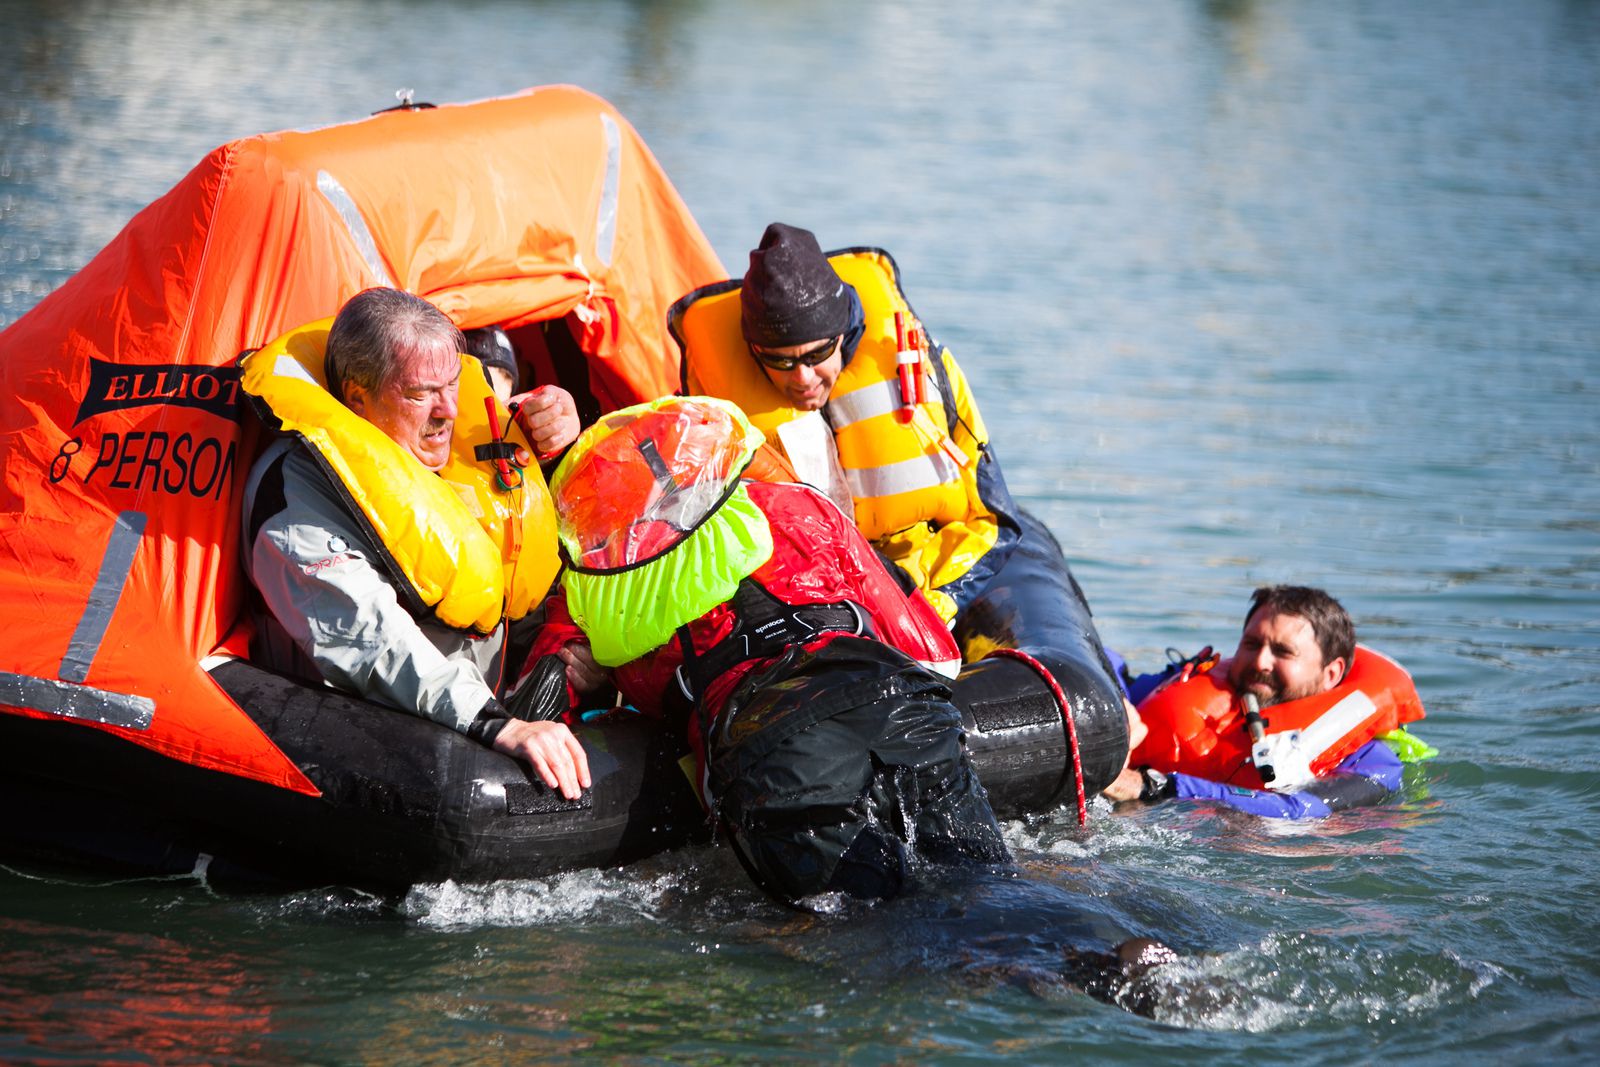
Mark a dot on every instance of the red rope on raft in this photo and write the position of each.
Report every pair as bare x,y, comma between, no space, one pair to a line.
1066,714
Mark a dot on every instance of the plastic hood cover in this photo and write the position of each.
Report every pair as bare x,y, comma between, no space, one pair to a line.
641,480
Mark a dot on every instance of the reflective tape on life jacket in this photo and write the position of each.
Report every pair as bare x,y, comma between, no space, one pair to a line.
1197,725
906,476
873,400
899,473
472,552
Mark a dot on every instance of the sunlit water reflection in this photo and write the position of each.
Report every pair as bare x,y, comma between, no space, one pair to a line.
1248,292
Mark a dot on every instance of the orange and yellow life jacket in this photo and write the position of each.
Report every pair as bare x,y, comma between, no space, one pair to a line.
899,473
1197,725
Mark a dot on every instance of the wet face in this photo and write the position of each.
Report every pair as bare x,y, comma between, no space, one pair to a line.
417,405
1278,660
805,385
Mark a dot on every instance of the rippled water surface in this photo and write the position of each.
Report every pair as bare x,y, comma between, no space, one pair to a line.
1248,291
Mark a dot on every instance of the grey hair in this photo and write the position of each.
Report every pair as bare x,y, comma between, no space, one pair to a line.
371,327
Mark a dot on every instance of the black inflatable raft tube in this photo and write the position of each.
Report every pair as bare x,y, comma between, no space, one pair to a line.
405,800
1016,734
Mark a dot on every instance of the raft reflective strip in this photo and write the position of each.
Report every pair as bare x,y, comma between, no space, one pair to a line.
342,202
76,701
908,475
605,222
103,596
881,398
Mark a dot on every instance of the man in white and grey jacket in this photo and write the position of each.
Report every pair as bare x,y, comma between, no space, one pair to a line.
332,614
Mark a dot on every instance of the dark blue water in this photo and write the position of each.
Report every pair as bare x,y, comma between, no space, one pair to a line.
1249,292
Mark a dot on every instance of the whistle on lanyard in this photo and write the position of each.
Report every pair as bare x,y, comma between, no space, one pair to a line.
908,363
941,440
502,453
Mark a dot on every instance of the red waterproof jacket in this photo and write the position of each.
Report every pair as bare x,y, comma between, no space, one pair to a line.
818,557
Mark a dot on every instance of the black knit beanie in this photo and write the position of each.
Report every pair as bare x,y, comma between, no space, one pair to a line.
791,294
494,349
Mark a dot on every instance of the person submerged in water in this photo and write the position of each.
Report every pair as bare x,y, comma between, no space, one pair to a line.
1297,643
813,689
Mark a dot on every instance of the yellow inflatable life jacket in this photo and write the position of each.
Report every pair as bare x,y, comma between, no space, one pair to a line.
899,473
474,552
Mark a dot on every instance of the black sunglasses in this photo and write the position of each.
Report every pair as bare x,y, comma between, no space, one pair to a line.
820,354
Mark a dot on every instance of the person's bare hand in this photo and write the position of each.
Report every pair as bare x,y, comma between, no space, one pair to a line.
551,750
1130,783
1126,786
1137,730
583,673
549,417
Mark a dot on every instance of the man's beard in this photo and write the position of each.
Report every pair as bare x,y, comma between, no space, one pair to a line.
1275,693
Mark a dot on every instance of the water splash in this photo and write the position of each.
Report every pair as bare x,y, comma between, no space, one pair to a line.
1297,980
589,895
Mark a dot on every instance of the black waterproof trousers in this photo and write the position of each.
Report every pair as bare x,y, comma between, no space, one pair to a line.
831,769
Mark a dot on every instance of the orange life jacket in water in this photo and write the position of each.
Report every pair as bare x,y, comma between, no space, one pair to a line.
1197,725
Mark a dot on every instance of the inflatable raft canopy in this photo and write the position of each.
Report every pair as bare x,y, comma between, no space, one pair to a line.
121,452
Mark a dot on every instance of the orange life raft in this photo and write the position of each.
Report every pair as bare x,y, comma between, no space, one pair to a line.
130,724
121,439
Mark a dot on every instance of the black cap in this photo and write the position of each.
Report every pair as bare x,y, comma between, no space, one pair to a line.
493,349
791,293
